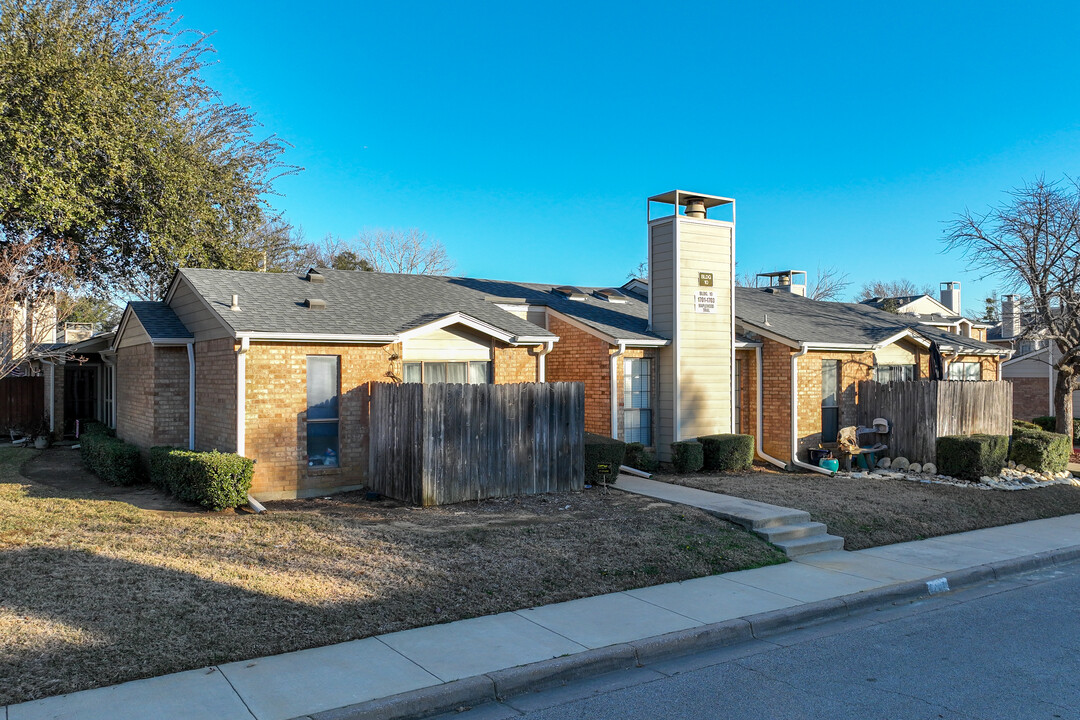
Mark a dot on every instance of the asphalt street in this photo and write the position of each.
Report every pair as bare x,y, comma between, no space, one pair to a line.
1009,649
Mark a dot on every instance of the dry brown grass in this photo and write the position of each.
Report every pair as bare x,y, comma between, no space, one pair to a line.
867,513
97,591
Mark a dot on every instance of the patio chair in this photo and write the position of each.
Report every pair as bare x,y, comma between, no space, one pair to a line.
847,442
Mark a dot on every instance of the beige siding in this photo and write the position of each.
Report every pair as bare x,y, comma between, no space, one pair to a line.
894,354
197,318
134,333
661,282
451,343
1034,366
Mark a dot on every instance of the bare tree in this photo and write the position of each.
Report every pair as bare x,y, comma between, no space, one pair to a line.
640,272
892,289
828,284
31,274
1032,241
404,251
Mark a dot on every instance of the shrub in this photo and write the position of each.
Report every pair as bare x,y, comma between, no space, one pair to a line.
971,457
1049,424
1041,451
600,449
639,458
687,456
114,461
727,452
1025,425
95,428
212,479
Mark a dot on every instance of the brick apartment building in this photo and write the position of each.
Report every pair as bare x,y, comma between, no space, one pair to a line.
276,366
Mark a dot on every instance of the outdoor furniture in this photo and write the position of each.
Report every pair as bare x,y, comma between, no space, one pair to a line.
847,442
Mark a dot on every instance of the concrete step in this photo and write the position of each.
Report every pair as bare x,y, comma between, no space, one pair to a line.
795,531
813,544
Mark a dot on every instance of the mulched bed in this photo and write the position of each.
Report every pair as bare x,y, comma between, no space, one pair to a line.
103,585
871,512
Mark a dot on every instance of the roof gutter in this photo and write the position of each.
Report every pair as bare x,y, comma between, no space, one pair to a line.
760,412
795,414
614,390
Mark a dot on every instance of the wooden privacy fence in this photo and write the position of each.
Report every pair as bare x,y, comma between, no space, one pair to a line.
22,401
921,411
448,443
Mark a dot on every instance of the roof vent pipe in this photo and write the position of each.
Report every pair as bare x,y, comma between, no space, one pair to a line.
235,307
695,208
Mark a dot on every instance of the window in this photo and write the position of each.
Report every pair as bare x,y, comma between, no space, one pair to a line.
965,371
891,373
323,391
475,372
738,396
637,400
107,396
830,400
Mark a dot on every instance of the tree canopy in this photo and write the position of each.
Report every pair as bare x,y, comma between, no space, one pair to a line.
113,143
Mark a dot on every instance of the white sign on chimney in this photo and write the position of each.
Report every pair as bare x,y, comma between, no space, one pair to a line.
705,301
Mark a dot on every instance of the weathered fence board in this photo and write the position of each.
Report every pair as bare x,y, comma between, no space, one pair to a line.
921,411
22,401
447,443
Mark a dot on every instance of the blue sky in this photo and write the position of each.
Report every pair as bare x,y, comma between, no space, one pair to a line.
526,137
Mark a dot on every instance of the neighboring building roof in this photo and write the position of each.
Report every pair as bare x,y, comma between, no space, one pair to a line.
803,320
366,304
159,321
627,320
902,301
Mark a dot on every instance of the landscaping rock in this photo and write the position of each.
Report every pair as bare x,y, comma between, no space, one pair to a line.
884,463
900,463
929,468
1020,468
1012,464
914,468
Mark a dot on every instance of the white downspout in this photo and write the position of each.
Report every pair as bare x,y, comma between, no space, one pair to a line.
760,411
795,414
52,396
241,393
542,370
191,394
614,387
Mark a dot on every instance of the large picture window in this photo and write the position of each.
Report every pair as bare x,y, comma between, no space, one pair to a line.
965,371
830,400
637,400
474,372
323,413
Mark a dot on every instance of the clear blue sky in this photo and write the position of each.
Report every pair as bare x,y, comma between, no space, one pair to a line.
526,137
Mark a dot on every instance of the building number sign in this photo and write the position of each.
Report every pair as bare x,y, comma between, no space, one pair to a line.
704,279
705,301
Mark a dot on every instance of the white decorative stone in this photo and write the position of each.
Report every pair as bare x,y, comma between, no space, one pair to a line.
1022,468
929,468
914,468
884,463
900,463
1012,464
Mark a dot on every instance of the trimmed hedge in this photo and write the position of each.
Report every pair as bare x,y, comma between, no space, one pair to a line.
1049,424
602,449
96,428
114,461
687,456
972,456
727,452
639,458
1040,451
212,479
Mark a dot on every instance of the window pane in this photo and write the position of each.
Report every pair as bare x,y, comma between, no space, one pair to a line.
457,372
322,444
434,372
637,426
830,424
830,383
412,373
322,386
974,372
479,372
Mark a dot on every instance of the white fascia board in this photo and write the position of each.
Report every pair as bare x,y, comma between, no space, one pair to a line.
533,339
740,344
162,342
628,342
900,336
1033,355
316,338
765,332
458,318
124,318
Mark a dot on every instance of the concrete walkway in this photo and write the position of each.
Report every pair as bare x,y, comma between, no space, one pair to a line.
470,661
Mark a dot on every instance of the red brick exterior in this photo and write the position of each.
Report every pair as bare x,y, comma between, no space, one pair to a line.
1031,397
776,399
854,367
215,395
580,356
747,385
152,395
515,364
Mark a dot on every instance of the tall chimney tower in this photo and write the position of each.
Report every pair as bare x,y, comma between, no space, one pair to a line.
691,286
950,297
1010,317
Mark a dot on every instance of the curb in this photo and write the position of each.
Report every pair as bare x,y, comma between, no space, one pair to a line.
503,684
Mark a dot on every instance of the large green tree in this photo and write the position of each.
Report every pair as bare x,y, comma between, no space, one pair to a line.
112,142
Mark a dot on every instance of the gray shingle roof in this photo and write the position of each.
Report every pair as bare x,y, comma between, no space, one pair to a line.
812,321
357,303
159,321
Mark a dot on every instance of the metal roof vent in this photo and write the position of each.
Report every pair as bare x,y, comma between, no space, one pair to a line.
235,307
571,292
695,208
611,295
315,303
315,276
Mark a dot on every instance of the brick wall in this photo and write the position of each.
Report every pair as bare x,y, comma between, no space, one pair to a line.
171,396
853,368
748,394
1031,398
135,394
776,399
582,357
515,364
215,395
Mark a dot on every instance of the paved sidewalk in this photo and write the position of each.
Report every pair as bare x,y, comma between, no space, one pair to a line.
481,658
